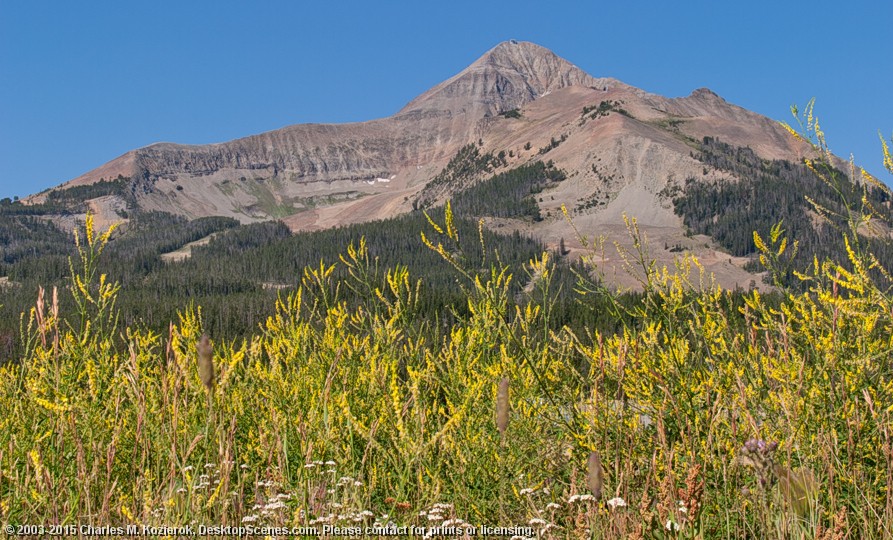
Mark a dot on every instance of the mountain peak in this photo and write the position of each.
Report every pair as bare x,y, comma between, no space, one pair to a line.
506,77
705,93
516,54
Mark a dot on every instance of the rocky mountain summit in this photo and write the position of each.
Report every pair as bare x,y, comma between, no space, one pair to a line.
507,77
623,151
295,168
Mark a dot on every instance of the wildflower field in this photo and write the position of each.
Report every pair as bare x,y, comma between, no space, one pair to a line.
704,417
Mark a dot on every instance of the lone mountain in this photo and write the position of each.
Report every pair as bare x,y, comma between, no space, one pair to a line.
623,151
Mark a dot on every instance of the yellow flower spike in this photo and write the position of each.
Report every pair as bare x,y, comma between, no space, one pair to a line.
213,498
36,461
868,177
758,242
781,248
451,231
791,130
89,229
82,287
108,233
888,159
433,224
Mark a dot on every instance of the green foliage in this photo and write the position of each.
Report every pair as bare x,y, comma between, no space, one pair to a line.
510,194
17,208
68,201
237,276
774,191
553,143
603,109
29,237
137,251
76,194
468,164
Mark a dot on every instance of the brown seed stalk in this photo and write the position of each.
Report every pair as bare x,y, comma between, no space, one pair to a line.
693,492
502,406
595,477
206,362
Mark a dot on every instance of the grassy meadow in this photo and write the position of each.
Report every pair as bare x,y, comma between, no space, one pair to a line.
686,423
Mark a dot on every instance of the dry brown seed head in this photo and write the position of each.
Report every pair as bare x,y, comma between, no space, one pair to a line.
595,477
693,491
206,362
502,405
840,527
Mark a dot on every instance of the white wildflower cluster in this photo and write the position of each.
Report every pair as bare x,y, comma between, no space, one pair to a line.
384,521
323,520
348,481
441,516
320,463
353,517
210,477
580,498
543,516
542,525
435,514
340,512
531,491
615,503
273,507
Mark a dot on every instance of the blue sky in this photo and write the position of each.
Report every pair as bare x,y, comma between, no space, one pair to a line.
83,82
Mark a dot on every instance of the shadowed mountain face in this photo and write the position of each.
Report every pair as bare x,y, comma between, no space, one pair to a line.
622,150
